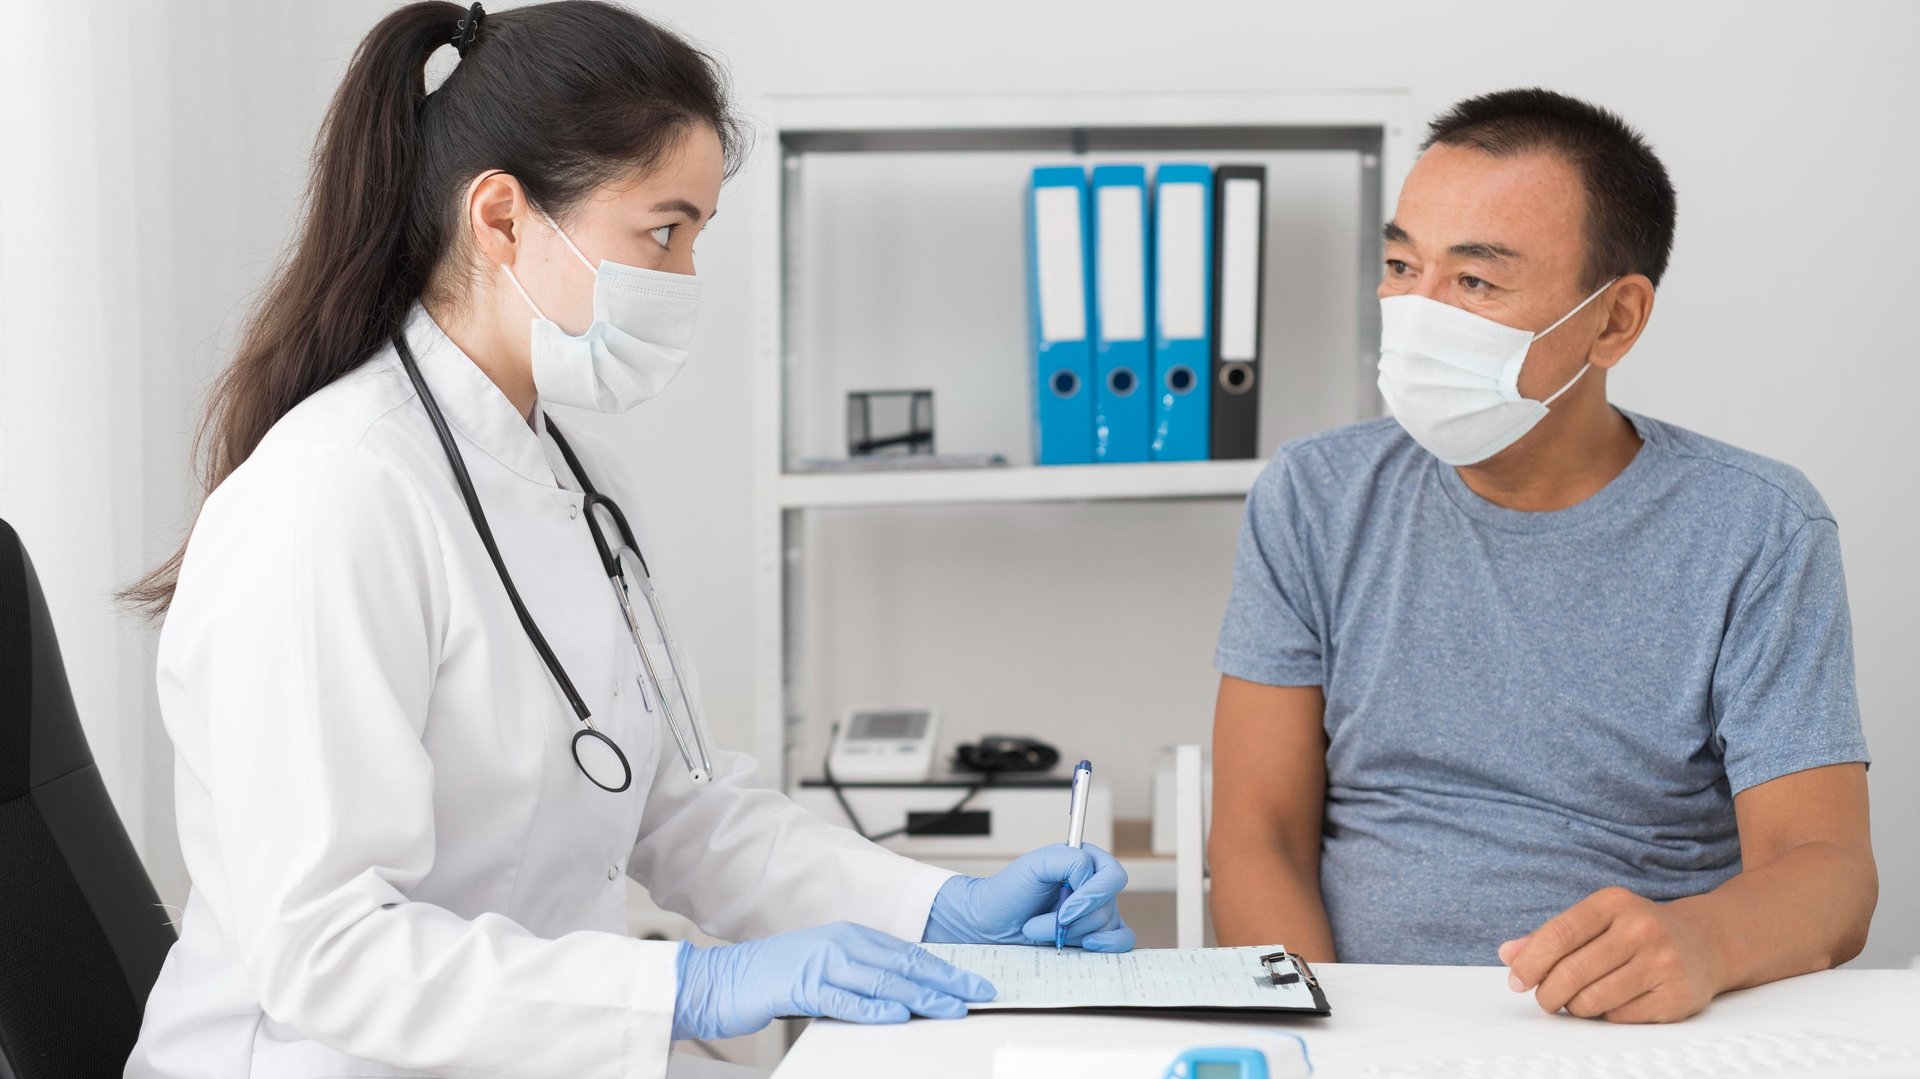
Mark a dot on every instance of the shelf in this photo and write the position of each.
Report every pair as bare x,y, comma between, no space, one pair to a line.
842,123
1055,483
1147,873
823,141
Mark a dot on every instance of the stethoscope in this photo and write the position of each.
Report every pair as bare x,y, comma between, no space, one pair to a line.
597,755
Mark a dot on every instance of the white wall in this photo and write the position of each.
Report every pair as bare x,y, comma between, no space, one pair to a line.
1788,129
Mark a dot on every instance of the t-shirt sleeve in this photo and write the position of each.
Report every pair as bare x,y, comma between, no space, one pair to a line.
1783,691
1270,634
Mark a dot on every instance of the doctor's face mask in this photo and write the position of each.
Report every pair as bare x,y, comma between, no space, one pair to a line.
642,324
641,225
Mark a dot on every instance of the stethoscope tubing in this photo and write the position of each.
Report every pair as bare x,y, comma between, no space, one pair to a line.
480,525
692,747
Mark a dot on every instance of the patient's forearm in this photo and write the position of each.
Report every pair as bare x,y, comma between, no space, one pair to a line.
1262,897
1803,911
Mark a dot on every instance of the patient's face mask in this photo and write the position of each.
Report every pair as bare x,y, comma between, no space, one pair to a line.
642,323
1451,377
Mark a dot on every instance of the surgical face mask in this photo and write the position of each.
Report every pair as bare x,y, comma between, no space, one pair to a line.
1452,377
642,323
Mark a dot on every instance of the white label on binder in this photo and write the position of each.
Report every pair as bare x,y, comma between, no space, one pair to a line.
1182,247
1122,275
1240,269
1062,273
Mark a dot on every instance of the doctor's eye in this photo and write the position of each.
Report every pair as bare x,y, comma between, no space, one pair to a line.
1474,284
1396,267
664,235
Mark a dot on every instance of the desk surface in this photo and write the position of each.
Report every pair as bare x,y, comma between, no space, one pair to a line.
1381,1015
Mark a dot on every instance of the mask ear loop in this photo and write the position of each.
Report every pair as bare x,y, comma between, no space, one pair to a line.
1577,308
565,239
1583,367
1568,386
568,240
522,290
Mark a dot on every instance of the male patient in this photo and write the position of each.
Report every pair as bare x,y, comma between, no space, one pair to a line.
1516,674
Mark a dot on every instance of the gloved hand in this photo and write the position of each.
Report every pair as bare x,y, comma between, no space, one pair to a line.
1015,905
843,971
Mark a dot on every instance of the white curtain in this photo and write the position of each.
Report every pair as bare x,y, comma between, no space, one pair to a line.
77,317
151,159
153,154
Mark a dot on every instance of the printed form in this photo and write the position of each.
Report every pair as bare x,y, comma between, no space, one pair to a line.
1029,977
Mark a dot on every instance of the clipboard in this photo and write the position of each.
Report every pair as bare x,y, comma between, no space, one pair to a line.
1248,981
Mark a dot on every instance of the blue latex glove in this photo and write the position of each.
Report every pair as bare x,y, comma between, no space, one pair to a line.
843,971
1015,905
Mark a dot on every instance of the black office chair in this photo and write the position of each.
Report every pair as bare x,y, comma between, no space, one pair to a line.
82,933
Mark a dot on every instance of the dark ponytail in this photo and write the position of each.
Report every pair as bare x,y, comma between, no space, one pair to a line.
563,96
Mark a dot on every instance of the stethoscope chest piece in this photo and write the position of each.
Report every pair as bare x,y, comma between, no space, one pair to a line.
601,760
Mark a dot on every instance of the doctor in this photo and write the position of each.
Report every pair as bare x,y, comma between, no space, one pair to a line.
425,715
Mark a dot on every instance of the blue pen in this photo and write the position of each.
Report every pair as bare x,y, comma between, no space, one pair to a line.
1076,830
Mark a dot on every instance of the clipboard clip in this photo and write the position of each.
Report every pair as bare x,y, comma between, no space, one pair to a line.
1285,968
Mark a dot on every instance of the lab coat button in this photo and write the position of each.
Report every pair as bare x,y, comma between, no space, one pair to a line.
573,511
613,872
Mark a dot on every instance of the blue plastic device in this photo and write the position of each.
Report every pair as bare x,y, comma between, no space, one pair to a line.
1219,1062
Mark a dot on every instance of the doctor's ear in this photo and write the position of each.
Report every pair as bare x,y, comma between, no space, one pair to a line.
1629,303
497,212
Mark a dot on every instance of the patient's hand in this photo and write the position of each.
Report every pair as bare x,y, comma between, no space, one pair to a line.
1618,956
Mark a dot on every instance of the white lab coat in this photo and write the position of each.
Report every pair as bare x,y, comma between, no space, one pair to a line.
397,867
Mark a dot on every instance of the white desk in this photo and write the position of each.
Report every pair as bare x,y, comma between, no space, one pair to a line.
1381,1015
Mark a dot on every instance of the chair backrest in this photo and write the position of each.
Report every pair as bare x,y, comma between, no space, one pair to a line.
82,932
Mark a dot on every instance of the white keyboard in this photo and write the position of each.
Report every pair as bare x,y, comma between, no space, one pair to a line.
1790,1054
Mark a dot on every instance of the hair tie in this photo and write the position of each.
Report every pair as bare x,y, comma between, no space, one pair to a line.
465,34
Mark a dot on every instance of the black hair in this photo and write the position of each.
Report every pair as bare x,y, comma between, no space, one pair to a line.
1630,200
565,97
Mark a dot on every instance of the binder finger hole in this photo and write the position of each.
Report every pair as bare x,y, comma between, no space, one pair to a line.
1236,377
1064,383
1180,379
1120,381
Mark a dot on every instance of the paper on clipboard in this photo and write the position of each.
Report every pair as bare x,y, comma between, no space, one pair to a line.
1173,978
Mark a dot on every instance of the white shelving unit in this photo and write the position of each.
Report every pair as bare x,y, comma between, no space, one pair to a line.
798,130
1057,483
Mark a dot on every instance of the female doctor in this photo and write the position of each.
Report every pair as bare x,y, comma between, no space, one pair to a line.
425,714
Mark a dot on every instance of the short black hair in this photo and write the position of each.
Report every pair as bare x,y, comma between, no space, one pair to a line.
1630,202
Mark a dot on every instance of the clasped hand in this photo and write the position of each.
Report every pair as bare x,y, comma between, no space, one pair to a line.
1618,956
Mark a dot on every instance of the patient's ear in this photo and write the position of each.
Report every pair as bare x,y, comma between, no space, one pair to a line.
1629,304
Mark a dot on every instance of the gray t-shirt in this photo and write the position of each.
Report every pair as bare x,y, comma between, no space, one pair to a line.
1523,708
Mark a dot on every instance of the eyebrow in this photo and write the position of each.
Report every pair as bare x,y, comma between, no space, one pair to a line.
1491,252
1476,249
681,206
